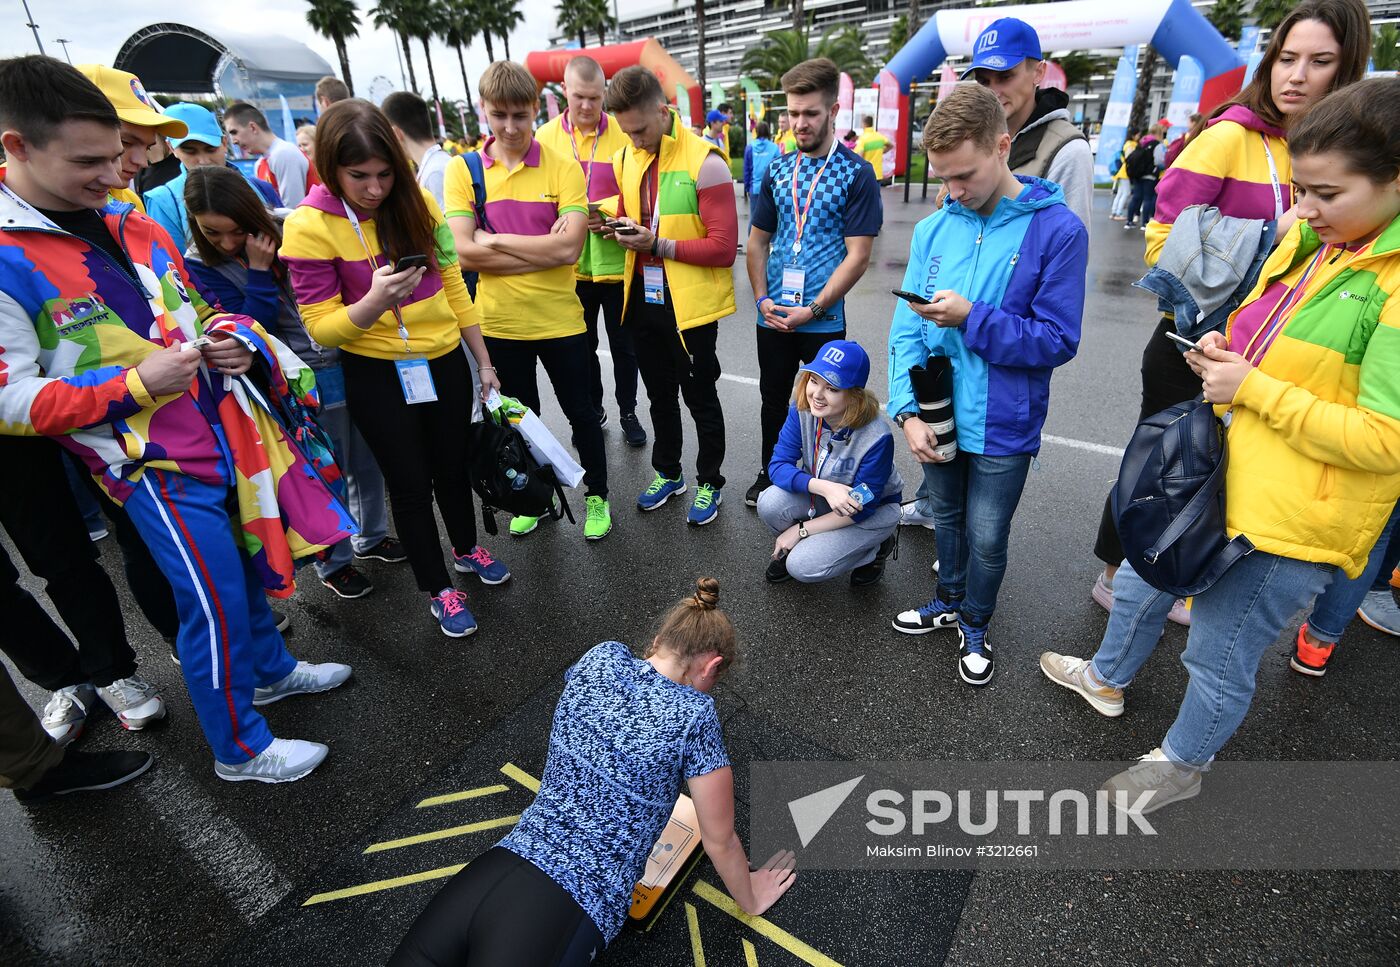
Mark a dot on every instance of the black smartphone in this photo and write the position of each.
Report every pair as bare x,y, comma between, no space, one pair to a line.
620,227
411,262
918,300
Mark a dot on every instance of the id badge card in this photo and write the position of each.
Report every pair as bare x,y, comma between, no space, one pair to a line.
654,284
794,282
330,387
417,381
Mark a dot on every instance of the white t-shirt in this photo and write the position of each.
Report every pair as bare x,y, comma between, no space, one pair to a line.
287,168
432,169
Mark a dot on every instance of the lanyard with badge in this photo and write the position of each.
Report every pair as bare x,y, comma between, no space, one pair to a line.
654,276
587,169
415,377
795,276
1273,177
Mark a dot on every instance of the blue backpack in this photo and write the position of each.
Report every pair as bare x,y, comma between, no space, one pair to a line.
478,175
1169,501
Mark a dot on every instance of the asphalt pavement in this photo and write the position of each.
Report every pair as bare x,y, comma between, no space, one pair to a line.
180,867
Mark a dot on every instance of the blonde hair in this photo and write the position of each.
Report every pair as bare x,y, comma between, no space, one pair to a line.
861,404
696,627
970,112
506,84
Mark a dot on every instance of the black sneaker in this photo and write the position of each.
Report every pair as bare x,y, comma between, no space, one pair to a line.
632,430
760,484
389,550
975,663
868,574
348,583
602,417
86,771
284,623
777,571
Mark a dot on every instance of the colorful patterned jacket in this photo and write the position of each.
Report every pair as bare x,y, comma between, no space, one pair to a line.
73,327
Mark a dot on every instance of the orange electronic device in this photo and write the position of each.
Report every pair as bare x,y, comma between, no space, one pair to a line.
672,858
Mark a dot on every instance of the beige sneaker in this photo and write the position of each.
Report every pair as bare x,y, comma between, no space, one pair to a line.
1071,673
1153,773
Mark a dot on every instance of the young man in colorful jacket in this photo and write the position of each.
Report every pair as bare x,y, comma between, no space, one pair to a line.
680,228
1002,267
584,131
97,318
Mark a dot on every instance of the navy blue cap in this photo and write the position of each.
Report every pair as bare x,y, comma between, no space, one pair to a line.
841,363
1003,45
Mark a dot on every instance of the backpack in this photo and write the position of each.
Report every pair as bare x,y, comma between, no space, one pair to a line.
1142,163
478,176
1169,501
506,476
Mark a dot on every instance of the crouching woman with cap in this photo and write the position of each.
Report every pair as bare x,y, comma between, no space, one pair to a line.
833,450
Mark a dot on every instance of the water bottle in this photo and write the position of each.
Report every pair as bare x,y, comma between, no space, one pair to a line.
517,480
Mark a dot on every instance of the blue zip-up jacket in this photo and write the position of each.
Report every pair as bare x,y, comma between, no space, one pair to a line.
850,456
166,203
757,157
1022,268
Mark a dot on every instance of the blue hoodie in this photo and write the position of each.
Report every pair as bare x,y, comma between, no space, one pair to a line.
1022,268
166,203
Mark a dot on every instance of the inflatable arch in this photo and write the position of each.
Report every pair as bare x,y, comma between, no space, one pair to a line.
548,66
1173,27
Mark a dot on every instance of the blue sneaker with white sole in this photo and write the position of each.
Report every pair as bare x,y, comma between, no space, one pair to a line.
480,562
705,507
453,617
661,490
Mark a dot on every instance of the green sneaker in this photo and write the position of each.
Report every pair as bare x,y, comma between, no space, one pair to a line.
598,521
521,525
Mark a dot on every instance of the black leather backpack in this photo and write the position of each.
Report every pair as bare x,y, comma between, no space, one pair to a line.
1169,502
506,476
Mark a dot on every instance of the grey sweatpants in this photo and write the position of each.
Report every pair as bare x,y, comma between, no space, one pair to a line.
824,556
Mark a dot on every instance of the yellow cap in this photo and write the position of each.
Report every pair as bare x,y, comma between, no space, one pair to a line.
133,104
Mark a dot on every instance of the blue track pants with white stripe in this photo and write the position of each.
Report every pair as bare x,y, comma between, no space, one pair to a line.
228,642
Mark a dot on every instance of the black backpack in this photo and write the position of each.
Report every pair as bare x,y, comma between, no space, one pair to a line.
506,476
1169,501
1142,162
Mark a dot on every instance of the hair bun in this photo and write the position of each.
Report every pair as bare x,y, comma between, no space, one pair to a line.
707,593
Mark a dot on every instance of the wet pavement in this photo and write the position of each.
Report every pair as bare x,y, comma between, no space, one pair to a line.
179,867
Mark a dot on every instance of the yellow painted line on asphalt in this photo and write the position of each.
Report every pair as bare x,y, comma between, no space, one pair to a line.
697,949
513,771
750,955
765,928
464,794
378,885
444,833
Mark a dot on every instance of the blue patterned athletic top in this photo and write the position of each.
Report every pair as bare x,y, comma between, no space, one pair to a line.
625,738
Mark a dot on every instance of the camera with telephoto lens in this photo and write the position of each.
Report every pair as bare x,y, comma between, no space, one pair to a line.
933,389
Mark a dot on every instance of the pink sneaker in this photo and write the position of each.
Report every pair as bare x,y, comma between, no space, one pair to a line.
1103,592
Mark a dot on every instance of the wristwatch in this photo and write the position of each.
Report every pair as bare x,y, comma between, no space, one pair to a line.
802,532
904,418
816,308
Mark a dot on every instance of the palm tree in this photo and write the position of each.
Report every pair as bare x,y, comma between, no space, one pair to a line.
783,50
798,24
505,16
1227,16
425,18
393,14
600,18
574,19
1078,67
913,16
458,26
336,20
899,35
1385,50
1137,121
1270,13
699,6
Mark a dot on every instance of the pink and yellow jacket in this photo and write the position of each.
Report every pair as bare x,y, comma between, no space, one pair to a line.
74,325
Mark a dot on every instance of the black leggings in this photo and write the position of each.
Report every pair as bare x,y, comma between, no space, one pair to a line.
501,911
1166,381
424,451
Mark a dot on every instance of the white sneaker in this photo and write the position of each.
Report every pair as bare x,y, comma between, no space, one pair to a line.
134,701
1156,774
285,760
304,679
911,516
1378,610
66,712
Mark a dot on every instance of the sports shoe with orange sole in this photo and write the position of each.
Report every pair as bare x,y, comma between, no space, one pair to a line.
1310,659
1395,578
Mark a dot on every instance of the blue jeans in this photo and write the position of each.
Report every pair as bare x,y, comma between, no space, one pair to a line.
1232,624
364,490
1337,606
973,498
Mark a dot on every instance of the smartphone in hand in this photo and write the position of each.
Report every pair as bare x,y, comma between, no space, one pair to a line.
1185,343
915,298
620,227
411,262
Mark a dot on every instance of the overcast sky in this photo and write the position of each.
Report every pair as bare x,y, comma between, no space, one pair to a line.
96,29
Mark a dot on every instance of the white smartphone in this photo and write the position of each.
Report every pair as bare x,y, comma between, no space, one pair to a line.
1181,340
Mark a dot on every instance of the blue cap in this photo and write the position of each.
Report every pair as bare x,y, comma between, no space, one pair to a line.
841,363
204,127
714,116
1003,45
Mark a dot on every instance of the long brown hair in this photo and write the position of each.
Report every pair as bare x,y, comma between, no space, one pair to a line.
696,627
355,131
1350,24
222,191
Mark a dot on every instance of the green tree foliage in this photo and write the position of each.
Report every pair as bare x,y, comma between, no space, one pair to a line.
782,50
1227,16
1385,48
1270,13
336,20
